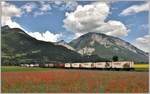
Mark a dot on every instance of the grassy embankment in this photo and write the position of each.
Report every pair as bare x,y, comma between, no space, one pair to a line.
138,67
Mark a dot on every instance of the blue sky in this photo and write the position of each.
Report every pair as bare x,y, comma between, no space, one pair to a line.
51,17
134,21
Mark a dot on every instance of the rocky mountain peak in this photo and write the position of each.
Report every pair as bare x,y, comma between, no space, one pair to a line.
107,46
65,44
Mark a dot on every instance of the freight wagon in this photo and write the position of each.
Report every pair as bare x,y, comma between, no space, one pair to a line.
123,65
119,65
75,65
88,65
67,65
59,65
29,65
100,65
46,65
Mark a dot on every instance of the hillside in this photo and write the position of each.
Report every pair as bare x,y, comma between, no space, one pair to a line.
63,43
19,47
107,46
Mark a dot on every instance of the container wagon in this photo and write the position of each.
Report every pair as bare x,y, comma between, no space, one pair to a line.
100,65
67,65
119,65
59,65
123,65
88,65
75,65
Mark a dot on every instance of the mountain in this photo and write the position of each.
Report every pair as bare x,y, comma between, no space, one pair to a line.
63,43
19,47
107,46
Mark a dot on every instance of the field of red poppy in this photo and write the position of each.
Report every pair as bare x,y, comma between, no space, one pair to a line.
83,81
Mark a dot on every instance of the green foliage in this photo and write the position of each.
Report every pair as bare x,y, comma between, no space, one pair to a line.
115,58
18,47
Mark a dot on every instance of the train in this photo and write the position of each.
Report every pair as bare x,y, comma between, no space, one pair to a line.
118,65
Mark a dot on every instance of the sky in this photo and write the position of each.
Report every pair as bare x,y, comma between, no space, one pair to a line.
56,20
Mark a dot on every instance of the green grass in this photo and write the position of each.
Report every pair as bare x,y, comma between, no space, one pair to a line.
141,67
20,69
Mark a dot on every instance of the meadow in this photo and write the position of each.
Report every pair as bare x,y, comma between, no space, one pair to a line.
142,67
53,80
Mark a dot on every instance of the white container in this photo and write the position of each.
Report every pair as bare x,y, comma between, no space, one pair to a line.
46,65
122,64
75,65
67,65
100,65
36,65
87,65
50,65
31,65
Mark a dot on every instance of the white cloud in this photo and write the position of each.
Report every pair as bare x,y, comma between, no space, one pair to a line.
28,7
38,13
45,6
43,9
46,36
135,9
71,5
78,35
8,11
58,2
68,5
114,28
143,43
86,17
91,18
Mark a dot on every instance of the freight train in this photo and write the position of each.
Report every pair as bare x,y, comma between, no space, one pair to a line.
119,65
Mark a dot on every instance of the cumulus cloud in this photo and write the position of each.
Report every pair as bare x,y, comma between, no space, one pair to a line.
86,17
143,43
114,28
46,36
91,18
8,11
135,9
